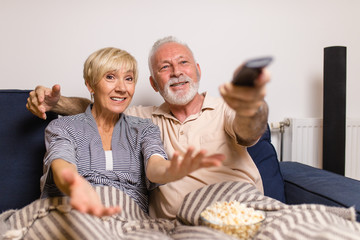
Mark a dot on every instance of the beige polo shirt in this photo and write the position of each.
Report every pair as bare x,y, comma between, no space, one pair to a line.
210,129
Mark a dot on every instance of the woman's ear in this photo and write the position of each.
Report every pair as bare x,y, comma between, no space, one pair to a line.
89,88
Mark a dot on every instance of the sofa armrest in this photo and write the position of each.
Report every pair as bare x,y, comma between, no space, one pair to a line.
306,184
22,149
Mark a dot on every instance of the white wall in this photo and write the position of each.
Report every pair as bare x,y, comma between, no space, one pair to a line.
46,42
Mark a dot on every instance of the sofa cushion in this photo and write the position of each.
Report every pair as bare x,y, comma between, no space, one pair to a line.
22,150
306,184
264,155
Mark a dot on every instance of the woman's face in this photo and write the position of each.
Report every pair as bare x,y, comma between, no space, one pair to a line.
114,92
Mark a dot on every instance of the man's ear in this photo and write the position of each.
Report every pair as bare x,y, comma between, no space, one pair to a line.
153,84
198,71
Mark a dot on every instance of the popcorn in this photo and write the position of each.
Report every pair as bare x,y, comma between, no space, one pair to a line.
233,218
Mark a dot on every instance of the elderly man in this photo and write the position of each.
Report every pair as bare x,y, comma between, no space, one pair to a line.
187,118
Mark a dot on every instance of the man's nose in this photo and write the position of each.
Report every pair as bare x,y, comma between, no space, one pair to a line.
176,71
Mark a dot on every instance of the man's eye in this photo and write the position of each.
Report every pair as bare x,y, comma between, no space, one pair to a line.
164,67
184,61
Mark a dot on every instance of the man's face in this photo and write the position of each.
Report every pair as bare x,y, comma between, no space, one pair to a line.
176,73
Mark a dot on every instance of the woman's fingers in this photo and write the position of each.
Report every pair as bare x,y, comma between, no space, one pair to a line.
213,160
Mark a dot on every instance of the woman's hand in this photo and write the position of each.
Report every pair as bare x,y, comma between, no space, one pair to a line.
162,171
182,166
83,196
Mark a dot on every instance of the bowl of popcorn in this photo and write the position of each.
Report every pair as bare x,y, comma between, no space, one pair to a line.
233,218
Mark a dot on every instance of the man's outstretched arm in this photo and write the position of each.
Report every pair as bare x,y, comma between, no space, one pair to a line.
42,100
250,107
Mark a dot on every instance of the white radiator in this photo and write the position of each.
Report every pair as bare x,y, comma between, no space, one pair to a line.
302,142
352,149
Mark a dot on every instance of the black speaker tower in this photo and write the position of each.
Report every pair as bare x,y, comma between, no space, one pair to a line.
334,118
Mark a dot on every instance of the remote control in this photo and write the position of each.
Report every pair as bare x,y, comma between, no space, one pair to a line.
250,71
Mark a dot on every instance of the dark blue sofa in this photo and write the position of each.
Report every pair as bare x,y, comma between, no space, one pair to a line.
22,150
297,183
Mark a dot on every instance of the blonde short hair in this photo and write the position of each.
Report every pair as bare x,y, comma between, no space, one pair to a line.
107,60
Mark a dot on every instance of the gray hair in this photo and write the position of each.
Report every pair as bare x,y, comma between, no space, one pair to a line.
159,43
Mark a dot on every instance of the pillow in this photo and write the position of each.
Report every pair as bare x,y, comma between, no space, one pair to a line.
264,155
195,202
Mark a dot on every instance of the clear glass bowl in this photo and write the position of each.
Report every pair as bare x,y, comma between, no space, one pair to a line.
241,231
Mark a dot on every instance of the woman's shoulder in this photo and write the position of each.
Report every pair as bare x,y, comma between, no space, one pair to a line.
137,120
68,120
140,124
141,111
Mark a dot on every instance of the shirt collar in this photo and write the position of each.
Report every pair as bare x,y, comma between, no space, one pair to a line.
90,117
208,104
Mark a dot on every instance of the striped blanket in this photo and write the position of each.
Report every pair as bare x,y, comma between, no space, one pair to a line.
53,218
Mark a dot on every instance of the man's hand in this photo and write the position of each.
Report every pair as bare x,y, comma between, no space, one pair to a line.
246,101
84,198
250,107
43,99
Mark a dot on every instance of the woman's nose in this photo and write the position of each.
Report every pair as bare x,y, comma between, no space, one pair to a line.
120,85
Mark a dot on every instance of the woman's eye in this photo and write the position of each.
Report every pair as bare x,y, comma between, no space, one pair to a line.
110,77
129,79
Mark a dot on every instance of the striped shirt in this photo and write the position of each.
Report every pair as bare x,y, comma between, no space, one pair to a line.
76,139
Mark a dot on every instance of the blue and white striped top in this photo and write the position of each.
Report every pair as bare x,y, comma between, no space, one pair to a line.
76,139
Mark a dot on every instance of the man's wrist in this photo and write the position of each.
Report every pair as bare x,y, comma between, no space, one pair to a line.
248,129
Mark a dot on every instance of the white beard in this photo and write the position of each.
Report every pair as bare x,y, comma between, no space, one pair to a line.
179,97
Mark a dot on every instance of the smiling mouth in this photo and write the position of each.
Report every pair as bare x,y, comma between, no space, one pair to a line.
117,99
178,84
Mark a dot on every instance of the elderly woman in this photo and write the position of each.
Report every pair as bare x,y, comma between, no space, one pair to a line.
105,147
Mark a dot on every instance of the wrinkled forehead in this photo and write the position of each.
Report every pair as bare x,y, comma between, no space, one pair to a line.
172,51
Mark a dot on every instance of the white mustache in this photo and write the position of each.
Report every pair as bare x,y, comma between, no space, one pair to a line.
182,78
179,97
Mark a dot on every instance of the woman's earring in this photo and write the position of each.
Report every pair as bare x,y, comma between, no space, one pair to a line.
92,97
